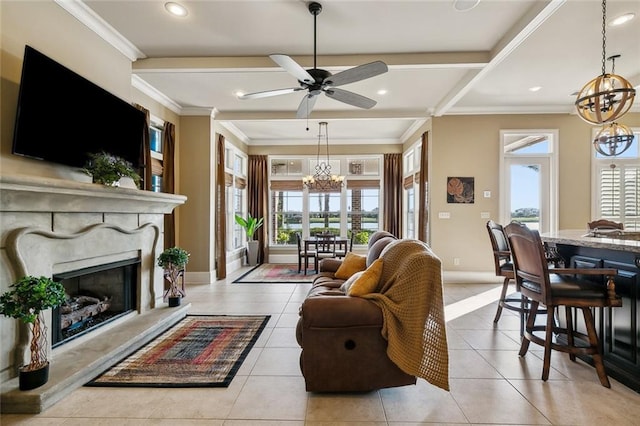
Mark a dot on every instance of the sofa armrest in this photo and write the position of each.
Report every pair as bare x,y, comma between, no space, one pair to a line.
329,265
336,311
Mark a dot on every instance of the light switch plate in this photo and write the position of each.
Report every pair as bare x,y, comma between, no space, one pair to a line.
444,215
485,215
487,194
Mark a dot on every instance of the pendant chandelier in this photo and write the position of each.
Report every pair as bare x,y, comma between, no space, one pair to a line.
607,97
613,139
323,179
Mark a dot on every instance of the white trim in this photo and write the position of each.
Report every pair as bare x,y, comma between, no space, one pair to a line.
95,23
198,111
412,129
235,131
155,94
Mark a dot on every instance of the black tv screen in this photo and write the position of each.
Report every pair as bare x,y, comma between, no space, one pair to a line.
62,117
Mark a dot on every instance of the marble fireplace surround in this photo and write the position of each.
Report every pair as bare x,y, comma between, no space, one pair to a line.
51,226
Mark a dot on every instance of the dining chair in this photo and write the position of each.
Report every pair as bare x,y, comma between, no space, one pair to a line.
325,246
555,288
605,224
342,250
304,253
504,268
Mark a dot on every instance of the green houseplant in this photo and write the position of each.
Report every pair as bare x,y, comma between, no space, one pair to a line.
26,300
108,169
250,225
173,260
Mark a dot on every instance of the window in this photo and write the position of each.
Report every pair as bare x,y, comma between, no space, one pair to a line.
410,173
324,212
295,209
363,209
286,214
236,188
617,186
157,167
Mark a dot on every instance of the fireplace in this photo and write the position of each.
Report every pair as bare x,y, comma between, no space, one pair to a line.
95,297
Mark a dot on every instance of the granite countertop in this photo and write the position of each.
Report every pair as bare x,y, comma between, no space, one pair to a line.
581,237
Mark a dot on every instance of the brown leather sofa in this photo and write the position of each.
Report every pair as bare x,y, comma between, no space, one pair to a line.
342,346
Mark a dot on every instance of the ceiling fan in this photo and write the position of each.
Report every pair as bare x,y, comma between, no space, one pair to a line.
316,81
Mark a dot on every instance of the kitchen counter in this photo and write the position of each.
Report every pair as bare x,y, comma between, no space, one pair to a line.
582,237
618,328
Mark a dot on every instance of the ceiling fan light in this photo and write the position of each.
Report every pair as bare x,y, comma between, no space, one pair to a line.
613,139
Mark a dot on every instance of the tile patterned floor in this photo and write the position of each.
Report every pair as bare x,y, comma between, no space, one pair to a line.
490,384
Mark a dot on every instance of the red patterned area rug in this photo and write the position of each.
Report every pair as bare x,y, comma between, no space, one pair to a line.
198,351
275,273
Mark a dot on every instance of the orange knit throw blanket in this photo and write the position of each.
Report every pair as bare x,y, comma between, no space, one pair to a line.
410,296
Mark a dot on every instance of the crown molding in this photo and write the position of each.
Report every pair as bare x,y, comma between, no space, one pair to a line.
94,22
155,94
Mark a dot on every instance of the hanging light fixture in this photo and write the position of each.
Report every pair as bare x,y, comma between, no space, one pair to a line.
322,179
607,97
613,139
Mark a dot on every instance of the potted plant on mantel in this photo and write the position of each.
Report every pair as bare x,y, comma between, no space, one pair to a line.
108,169
26,300
173,260
250,225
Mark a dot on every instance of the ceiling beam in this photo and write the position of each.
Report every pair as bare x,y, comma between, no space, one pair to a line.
435,60
526,26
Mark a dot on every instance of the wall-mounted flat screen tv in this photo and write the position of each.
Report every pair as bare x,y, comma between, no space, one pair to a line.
62,117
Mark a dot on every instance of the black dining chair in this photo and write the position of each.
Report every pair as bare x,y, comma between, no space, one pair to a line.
304,254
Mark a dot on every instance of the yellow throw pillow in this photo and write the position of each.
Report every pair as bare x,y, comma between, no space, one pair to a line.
368,281
351,264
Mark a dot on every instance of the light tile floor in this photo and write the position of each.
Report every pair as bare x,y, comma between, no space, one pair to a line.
490,384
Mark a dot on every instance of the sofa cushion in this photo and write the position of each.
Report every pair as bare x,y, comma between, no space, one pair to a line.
368,281
347,284
351,264
376,249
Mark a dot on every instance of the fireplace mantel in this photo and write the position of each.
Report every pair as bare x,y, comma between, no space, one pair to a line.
50,226
20,193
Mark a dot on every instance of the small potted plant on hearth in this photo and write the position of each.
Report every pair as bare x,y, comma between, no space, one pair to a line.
26,300
173,260
250,225
108,169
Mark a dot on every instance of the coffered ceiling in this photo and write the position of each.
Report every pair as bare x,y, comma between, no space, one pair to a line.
441,60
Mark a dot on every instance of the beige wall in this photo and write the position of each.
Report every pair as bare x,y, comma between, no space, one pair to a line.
50,29
469,146
197,173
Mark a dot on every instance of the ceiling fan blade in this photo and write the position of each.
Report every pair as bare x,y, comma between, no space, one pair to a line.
306,105
292,67
268,93
358,73
350,98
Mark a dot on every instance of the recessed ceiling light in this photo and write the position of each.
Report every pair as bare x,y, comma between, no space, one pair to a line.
465,5
535,88
622,19
176,9
382,92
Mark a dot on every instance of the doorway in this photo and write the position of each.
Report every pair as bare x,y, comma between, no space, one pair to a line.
528,178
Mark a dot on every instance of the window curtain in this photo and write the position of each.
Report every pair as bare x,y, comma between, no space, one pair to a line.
393,194
221,213
423,213
145,150
168,179
258,197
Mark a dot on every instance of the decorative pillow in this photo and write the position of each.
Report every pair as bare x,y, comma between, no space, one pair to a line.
347,284
368,281
351,264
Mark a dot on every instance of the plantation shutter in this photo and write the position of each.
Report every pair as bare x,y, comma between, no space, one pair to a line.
619,191
631,193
